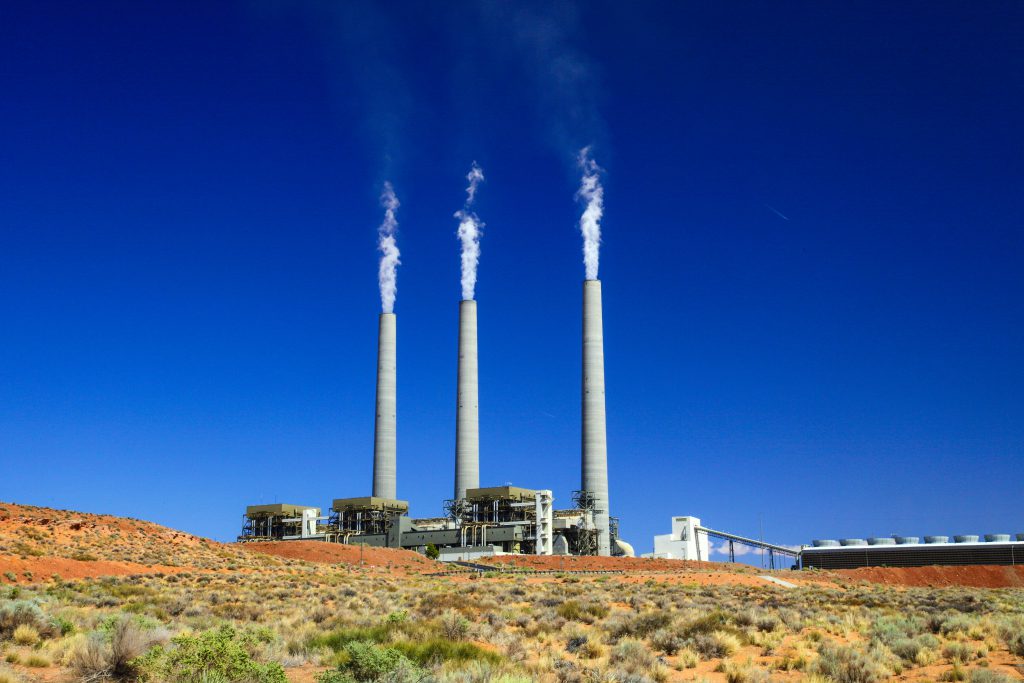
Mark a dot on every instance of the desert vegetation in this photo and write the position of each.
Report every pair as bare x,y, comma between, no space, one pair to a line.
233,615
341,624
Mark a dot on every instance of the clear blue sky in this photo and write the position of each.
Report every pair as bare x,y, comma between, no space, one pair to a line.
812,256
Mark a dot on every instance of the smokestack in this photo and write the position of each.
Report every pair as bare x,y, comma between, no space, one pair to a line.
595,442
385,437
467,416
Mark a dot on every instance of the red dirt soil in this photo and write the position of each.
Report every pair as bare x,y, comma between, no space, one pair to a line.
976,576
41,568
337,553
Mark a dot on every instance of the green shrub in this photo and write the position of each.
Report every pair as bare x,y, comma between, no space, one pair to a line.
633,656
668,641
454,625
24,613
848,665
573,610
63,625
961,652
709,623
438,650
432,552
337,640
640,626
906,649
957,623
890,629
370,662
221,655
715,645
334,676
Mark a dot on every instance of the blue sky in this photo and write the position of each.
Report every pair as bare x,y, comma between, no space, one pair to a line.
811,260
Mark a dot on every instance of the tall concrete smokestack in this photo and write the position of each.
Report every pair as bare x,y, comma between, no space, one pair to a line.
467,416
595,440
385,435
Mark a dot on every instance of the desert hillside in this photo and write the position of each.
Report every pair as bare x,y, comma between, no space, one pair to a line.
96,598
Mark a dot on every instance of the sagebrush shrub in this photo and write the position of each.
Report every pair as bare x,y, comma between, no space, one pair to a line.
849,665
223,654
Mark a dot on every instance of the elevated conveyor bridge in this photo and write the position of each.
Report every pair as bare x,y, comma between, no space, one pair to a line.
770,548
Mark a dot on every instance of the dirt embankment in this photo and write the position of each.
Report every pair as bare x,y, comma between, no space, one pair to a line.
28,532
337,553
935,577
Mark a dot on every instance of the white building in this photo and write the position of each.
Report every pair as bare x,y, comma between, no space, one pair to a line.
684,543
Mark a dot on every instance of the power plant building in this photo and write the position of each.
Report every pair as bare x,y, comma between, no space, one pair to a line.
479,521
909,551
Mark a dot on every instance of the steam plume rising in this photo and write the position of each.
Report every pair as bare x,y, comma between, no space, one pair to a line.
469,234
590,222
387,275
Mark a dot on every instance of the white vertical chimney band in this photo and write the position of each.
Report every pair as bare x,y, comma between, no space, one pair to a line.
467,416
385,433
595,441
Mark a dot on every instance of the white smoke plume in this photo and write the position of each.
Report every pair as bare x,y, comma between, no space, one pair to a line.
590,222
388,273
469,234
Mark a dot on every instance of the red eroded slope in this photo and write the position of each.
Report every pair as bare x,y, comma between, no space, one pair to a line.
976,576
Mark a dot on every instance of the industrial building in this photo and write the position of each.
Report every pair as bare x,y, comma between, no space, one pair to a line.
909,551
689,540
478,521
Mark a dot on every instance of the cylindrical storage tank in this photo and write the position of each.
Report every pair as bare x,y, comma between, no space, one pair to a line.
997,538
907,540
853,541
824,543
936,539
966,538
878,540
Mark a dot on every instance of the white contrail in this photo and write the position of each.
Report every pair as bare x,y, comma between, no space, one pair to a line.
388,275
590,222
469,234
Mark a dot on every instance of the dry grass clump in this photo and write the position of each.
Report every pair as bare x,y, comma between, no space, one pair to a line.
746,672
850,664
631,657
113,655
25,635
715,645
37,660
